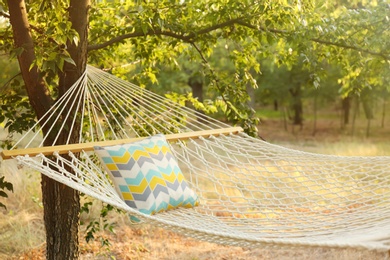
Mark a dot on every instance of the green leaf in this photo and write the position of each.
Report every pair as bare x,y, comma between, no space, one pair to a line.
3,194
2,206
60,63
69,60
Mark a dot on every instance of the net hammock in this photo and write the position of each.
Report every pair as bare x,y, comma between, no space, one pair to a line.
251,193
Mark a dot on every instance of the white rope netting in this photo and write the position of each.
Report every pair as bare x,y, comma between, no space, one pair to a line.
252,193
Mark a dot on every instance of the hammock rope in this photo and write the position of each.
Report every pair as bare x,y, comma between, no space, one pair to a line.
252,193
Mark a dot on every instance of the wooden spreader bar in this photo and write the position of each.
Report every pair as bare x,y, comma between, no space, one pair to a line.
63,149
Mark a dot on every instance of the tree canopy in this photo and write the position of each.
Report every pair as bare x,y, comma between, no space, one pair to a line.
153,34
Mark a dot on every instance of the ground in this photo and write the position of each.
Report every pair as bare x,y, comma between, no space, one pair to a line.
150,243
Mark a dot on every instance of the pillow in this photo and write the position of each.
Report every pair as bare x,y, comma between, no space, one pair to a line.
146,175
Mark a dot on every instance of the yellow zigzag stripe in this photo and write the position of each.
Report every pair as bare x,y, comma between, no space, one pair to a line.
139,154
165,149
139,188
122,159
112,167
154,150
169,207
180,177
155,181
127,196
170,177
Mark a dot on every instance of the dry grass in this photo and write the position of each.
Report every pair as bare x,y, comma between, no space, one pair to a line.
21,225
22,231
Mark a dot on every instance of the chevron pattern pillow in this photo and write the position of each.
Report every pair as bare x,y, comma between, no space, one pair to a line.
146,175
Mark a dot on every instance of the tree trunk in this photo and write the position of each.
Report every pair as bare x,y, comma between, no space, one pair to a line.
315,113
196,83
368,128
61,214
355,114
383,112
37,91
285,117
276,105
346,105
78,15
61,203
297,106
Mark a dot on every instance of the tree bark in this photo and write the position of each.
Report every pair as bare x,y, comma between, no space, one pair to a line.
78,15
297,106
37,90
61,214
355,113
383,111
346,105
62,203
315,105
196,84
195,81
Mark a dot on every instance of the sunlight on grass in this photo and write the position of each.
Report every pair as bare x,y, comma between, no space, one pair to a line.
268,114
21,225
357,148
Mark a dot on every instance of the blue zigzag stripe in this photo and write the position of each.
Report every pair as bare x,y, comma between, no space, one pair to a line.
136,180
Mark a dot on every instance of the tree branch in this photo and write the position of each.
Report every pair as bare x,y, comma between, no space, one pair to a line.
215,27
260,28
341,45
5,15
185,38
236,21
123,37
351,47
6,84
38,30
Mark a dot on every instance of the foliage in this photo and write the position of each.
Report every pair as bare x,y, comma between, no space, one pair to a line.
138,40
101,224
16,113
4,185
316,33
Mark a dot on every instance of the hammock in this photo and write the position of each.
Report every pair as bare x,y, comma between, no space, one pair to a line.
251,193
